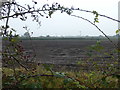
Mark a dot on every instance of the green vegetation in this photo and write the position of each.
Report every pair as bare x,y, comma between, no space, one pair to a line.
39,77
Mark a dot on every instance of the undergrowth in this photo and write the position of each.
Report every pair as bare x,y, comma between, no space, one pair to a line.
39,77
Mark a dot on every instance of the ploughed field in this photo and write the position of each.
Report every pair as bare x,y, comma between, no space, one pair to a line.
70,54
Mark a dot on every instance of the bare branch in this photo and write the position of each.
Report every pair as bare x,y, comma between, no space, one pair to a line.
97,28
98,14
39,10
9,6
19,62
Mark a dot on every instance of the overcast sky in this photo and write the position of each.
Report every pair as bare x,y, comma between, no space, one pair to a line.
65,25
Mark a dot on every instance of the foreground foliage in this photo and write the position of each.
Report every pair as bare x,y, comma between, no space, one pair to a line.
39,77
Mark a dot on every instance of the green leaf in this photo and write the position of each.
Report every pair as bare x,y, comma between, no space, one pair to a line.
117,31
67,80
79,62
96,13
10,32
13,29
96,17
116,76
5,38
50,13
15,39
89,54
47,67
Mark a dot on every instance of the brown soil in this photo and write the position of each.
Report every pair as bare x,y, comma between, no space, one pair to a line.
69,52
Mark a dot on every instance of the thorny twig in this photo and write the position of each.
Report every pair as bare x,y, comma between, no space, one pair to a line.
98,14
19,62
39,10
97,28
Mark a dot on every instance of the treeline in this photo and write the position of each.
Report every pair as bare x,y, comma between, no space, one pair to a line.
68,38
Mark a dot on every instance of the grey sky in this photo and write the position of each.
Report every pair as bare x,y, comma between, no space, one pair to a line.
65,25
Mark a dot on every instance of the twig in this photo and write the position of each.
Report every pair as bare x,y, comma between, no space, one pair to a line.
32,46
20,6
108,75
77,10
98,29
19,62
45,75
6,26
98,14
26,12
39,10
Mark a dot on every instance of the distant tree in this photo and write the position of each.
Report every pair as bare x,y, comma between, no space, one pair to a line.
48,36
26,34
100,36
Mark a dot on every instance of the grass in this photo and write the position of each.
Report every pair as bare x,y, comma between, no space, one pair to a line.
40,77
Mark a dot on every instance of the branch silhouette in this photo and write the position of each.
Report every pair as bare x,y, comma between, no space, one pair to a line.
53,9
97,28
